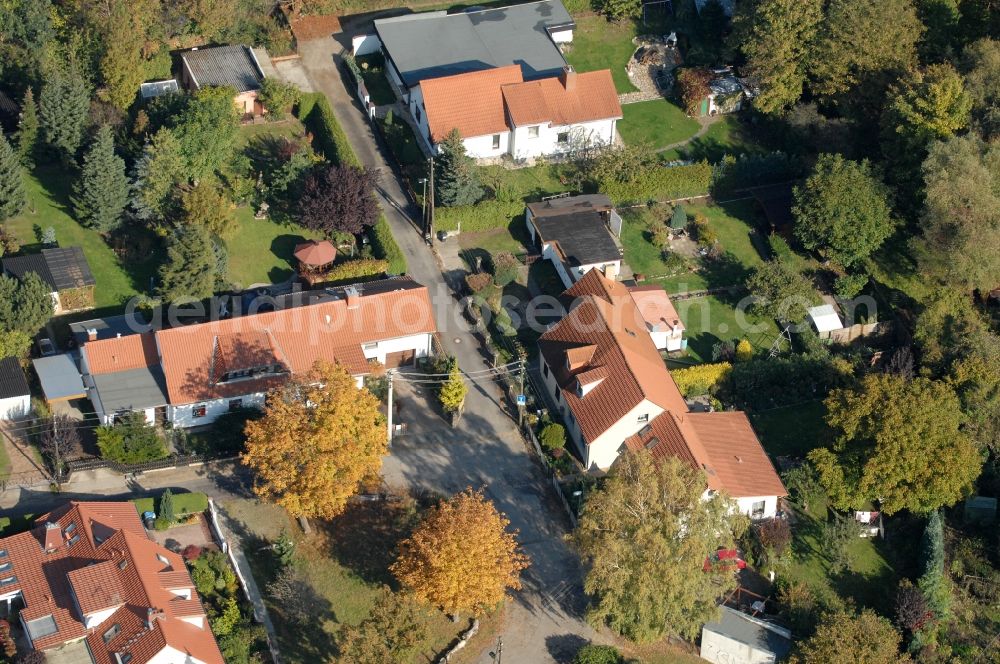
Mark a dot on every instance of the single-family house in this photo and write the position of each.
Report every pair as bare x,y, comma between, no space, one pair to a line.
235,65
15,397
418,47
614,393
189,375
662,322
499,113
577,234
88,574
66,272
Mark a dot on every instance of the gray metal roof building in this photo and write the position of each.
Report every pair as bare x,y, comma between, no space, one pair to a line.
435,44
737,638
234,65
135,389
583,237
60,378
61,268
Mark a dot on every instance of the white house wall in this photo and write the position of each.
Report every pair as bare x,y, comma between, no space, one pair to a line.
770,505
667,339
181,416
365,44
586,134
603,451
15,407
415,104
481,147
562,36
420,344
170,655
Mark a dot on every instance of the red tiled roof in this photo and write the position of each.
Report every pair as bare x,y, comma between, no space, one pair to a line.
104,560
656,307
315,253
296,337
735,454
582,97
472,102
134,351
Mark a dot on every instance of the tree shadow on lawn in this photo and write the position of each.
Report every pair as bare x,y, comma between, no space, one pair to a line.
364,539
723,271
283,247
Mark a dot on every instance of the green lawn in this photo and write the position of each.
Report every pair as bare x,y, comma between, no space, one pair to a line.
600,44
530,183
715,318
289,127
4,462
658,123
260,251
792,430
48,190
727,135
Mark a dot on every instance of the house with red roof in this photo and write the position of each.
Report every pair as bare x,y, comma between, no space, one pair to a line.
614,393
497,112
189,375
88,573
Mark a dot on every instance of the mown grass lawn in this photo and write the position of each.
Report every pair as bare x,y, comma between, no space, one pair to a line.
373,72
48,189
792,430
600,44
260,251
716,318
657,123
727,135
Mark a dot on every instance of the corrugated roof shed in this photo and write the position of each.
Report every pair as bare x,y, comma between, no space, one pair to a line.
232,65
61,268
12,381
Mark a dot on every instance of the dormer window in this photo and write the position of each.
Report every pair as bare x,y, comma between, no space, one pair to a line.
69,529
73,540
112,632
162,559
644,418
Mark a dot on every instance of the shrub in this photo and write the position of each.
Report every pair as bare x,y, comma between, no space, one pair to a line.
355,269
692,85
384,246
779,246
701,379
553,437
774,534
595,654
477,282
504,267
769,382
655,182
161,523
130,441
167,506
191,552
849,285
744,351
750,170
284,549
659,235
674,262
703,231
484,216
314,110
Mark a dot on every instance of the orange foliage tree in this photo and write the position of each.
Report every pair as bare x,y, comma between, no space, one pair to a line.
461,557
320,437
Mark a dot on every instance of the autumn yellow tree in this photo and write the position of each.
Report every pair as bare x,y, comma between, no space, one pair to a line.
461,557
320,437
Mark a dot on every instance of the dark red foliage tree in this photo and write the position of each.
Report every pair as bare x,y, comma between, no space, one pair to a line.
339,199
912,610
191,552
774,534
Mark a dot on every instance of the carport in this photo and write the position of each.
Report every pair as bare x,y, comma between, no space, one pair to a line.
60,378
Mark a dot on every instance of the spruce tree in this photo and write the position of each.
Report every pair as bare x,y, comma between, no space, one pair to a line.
27,129
62,108
167,506
12,196
456,179
101,192
189,271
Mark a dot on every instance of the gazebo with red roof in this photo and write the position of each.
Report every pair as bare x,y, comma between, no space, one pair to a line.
315,255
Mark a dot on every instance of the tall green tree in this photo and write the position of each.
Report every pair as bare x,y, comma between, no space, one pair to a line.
842,210
206,204
453,391
781,292
26,137
456,180
189,270
62,108
863,44
981,66
101,192
208,128
941,21
12,196
960,245
645,534
122,62
892,435
933,582
777,36
26,304
976,379
842,638
158,173
390,633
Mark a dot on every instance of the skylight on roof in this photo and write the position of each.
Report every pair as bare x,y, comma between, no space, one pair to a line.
41,627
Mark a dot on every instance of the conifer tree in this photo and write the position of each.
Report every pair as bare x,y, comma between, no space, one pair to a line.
27,129
62,108
189,271
101,192
11,181
453,392
456,179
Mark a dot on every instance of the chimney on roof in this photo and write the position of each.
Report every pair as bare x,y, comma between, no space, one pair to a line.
353,297
739,459
568,78
91,334
52,536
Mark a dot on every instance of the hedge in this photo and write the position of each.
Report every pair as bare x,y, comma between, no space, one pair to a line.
184,503
384,246
661,183
701,379
355,269
328,136
483,216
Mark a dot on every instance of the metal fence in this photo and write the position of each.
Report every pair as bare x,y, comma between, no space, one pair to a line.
174,461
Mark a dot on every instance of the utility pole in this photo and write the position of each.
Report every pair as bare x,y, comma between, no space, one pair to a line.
388,410
429,220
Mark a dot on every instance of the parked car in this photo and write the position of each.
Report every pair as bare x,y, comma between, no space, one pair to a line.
724,560
46,347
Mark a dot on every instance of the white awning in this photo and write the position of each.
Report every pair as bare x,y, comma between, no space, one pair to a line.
825,319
